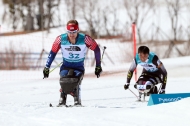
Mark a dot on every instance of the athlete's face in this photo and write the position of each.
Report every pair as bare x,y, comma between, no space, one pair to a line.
143,57
72,34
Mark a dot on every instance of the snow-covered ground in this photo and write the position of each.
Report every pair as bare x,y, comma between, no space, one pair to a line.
25,102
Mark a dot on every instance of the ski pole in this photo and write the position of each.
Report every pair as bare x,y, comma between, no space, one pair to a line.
133,93
103,52
54,68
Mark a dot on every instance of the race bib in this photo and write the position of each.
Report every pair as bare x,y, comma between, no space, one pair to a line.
141,87
74,53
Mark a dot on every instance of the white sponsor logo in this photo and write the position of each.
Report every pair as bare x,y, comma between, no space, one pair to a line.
164,100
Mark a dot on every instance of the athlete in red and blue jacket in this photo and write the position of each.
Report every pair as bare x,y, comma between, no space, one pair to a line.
73,47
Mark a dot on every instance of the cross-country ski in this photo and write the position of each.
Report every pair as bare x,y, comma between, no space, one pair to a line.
50,105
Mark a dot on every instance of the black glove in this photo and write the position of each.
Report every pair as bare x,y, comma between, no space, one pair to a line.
46,72
135,86
98,70
126,86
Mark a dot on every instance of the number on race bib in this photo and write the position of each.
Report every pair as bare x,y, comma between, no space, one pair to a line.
141,87
75,56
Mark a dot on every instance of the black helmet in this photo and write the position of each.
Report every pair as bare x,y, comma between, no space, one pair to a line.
143,49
